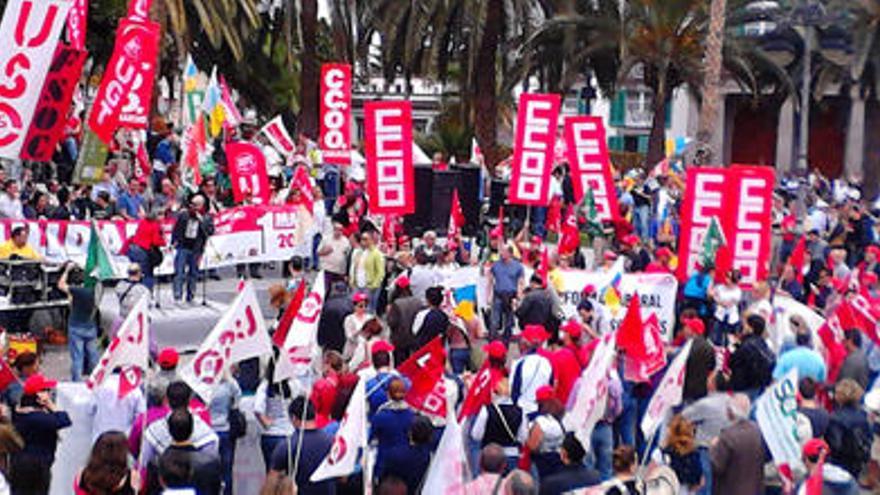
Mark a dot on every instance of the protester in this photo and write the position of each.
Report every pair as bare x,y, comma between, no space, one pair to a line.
849,434
301,453
82,330
531,371
574,474
190,236
107,470
145,247
505,283
131,290
502,424
546,434
737,456
271,404
492,467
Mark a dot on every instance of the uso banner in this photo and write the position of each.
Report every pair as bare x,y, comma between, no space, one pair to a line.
388,145
741,198
277,134
533,149
126,89
656,295
28,36
50,117
335,140
590,164
776,414
247,172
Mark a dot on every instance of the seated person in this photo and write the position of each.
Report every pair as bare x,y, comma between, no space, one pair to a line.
17,246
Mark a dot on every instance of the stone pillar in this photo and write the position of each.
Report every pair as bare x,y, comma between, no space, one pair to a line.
785,137
854,156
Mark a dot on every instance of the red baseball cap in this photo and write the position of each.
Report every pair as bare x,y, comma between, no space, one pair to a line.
37,383
168,358
630,239
535,334
573,328
544,392
381,346
610,255
402,281
873,248
814,447
664,252
588,290
359,297
869,278
536,239
695,325
495,349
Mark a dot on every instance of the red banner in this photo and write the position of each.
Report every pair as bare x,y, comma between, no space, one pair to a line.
126,90
47,128
425,372
590,164
247,172
139,9
335,140
741,198
28,37
277,134
77,24
388,145
533,149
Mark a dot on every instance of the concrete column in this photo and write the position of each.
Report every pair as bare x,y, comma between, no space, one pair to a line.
785,137
854,157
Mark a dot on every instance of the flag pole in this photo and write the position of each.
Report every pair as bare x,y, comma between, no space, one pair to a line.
299,440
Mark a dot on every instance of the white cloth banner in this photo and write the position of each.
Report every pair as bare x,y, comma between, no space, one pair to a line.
786,308
301,344
28,34
239,334
668,393
351,437
448,468
591,391
130,346
776,414
657,292
75,442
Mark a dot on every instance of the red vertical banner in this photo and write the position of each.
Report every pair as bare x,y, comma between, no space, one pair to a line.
388,145
590,164
704,198
747,220
139,9
247,173
50,116
335,139
126,89
533,149
77,24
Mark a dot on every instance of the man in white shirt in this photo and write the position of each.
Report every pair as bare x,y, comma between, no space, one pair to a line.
333,253
112,413
10,203
531,371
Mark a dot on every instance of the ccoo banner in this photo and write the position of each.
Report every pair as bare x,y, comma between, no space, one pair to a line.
741,198
28,36
247,172
335,140
388,146
533,149
590,164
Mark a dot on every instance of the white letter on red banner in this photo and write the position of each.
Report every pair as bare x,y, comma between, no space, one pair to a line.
388,146
247,173
590,164
533,149
335,140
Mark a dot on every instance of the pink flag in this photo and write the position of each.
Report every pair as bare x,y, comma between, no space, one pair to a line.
233,116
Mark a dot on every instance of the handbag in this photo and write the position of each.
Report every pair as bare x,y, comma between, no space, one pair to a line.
237,423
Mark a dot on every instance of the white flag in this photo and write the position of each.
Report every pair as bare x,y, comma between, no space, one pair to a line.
302,338
240,334
668,393
130,347
352,435
784,308
278,136
775,414
448,469
591,394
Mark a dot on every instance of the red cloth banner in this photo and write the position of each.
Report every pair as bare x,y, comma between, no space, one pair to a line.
279,137
77,24
126,89
425,372
741,198
590,164
28,36
388,146
139,9
533,149
335,140
247,172
47,127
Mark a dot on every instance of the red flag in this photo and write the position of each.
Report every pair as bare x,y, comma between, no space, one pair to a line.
498,231
796,260
247,172
571,236
479,393
831,334
6,375
544,266
590,164
335,138
290,313
424,369
813,484
629,333
456,216
640,368
77,19
554,215
723,262
232,115
388,146
389,231
196,144
143,169
129,379
302,183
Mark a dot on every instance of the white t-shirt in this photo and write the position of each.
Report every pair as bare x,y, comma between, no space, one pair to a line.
725,294
336,261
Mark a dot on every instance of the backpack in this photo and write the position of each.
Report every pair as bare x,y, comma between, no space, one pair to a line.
850,446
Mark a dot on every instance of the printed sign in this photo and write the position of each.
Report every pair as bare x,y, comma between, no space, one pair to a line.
533,149
389,153
335,140
590,164
247,172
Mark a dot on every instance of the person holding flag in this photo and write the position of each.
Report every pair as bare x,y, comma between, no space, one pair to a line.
531,371
501,422
82,330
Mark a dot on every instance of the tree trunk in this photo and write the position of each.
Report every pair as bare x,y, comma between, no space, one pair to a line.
657,139
711,85
486,88
309,75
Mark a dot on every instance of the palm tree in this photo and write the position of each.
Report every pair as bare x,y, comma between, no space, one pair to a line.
712,82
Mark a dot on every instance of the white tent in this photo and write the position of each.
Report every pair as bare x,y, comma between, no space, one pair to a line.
419,156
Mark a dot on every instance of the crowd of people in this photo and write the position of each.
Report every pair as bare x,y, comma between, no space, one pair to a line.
385,301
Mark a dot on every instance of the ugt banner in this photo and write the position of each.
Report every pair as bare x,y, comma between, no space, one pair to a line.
126,89
335,140
247,172
28,36
388,146
590,164
533,149
741,198
77,22
50,117
277,134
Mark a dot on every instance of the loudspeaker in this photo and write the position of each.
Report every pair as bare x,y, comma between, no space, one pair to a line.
441,206
419,221
497,196
469,195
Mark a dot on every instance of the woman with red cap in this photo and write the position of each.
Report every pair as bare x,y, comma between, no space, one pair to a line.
354,322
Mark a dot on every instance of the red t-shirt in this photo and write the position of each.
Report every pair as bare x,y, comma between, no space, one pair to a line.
566,370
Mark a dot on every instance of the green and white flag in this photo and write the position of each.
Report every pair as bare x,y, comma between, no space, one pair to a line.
713,239
594,225
99,264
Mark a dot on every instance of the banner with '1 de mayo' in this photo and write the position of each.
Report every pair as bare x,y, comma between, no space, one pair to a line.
335,140
590,164
656,295
28,36
389,151
740,197
533,149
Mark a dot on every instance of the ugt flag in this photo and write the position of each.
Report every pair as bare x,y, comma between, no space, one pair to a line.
351,437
